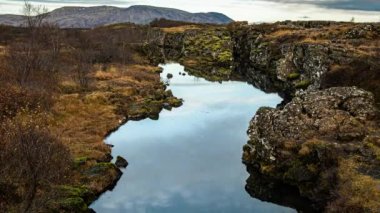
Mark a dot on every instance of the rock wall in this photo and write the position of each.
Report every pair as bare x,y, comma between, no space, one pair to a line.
296,56
324,140
204,50
301,144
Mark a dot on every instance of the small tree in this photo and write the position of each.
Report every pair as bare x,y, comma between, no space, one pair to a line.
35,57
83,67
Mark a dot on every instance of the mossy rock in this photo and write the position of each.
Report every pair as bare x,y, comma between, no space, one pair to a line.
225,57
293,76
71,199
101,168
73,204
80,161
373,145
76,191
175,102
211,72
302,84
211,45
169,75
168,93
137,111
159,94
298,172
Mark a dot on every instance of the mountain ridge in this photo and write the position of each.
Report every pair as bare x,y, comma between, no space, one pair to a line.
90,17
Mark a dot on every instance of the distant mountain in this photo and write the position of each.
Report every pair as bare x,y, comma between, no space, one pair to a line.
88,17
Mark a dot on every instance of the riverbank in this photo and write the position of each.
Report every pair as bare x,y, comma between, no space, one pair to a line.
118,94
92,92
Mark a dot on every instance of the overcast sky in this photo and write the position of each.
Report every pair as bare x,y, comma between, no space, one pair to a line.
251,10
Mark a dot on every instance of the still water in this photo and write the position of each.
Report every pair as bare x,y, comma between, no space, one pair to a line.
190,159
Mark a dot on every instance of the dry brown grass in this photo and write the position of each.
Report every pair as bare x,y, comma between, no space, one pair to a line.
81,118
180,29
357,192
82,123
84,119
281,33
2,50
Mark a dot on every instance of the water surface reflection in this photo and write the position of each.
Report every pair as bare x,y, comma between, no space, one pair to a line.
190,159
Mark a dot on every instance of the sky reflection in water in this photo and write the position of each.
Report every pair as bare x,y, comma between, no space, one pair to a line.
190,159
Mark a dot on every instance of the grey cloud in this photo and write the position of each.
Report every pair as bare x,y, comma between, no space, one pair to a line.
368,5
90,2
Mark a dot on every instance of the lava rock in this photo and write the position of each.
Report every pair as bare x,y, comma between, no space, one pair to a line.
167,106
301,143
121,162
169,75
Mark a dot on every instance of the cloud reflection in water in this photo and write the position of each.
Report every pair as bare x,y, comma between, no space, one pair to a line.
190,159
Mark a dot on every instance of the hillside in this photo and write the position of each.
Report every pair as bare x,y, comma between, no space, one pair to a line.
88,17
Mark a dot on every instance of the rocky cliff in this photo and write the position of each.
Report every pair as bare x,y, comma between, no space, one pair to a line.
296,56
205,50
304,143
324,140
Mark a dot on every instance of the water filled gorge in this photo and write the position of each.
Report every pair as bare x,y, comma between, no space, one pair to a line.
189,160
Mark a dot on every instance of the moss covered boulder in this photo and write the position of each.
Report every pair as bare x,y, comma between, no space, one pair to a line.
304,143
71,199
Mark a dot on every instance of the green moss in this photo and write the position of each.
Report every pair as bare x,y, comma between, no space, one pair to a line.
80,161
100,168
168,93
298,172
71,199
159,94
72,191
73,204
302,84
138,110
371,145
293,76
225,57
211,45
264,44
175,102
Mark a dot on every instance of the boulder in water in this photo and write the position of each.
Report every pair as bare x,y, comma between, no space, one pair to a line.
121,162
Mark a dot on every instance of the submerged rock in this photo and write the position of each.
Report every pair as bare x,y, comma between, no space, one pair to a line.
169,75
301,143
121,162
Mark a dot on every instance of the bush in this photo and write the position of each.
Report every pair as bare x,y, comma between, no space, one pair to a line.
13,99
32,159
167,23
